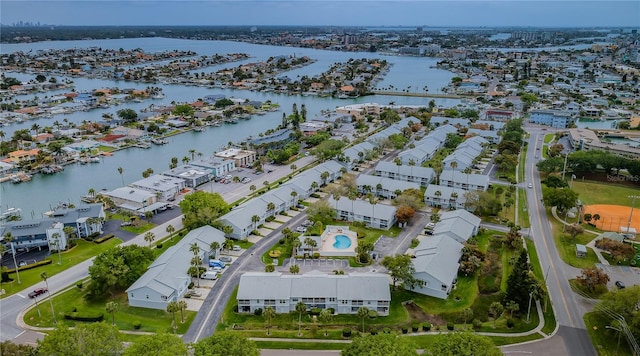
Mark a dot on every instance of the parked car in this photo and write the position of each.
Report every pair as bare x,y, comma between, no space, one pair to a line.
301,229
620,285
37,292
237,248
225,259
307,223
22,264
210,275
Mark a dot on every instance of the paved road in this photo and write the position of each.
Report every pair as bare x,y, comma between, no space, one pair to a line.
568,307
11,307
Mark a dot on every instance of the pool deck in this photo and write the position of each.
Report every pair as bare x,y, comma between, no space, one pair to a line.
327,239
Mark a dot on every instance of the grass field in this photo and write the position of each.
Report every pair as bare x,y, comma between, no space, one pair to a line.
603,193
549,137
82,252
605,340
567,246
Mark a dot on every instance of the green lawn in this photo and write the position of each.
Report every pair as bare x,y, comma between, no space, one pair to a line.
152,320
549,317
567,246
603,193
605,340
83,251
523,213
143,227
549,137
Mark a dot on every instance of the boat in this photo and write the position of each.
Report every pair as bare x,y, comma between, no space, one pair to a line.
245,116
11,214
198,128
232,121
159,141
142,145
217,124
157,96
94,160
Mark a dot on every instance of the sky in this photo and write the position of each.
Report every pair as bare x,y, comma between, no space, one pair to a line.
470,13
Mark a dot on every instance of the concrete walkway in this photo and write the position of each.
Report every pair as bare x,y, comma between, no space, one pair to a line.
591,244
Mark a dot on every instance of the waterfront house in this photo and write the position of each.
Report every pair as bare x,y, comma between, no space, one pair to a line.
192,175
415,174
217,166
553,118
241,158
166,280
130,133
134,200
165,188
277,139
345,294
386,188
20,156
378,216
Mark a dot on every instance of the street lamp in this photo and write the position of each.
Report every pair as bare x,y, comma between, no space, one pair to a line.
529,309
619,334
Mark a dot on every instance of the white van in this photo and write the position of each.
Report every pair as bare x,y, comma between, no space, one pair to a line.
237,248
212,275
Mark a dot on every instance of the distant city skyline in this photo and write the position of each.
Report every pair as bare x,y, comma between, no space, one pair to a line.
505,13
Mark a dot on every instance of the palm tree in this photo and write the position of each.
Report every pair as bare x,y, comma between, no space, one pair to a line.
295,243
254,220
192,152
269,313
310,243
9,239
227,244
294,195
293,167
120,170
252,188
325,317
324,176
182,305
196,261
300,308
373,201
112,308
398,163
453,166
56,243
44,277
170,229
149,237
363,312
294,269
215,246
172,307
314,186
228,230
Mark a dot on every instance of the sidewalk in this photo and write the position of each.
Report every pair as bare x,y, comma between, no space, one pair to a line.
591,244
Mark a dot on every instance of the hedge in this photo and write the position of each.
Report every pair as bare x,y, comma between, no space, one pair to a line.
30,266
83,317
104,238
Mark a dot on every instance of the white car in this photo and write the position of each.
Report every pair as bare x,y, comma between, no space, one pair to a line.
301,229
530,185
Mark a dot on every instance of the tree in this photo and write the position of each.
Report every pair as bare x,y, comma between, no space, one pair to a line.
300,308
381,344
496,309
170,229
467,314
269,268
625,303
215,247
310,243
159,344
592,277
45,277
363,312
226,343
401,269
294,269
128,115
112,308
574,230
120,171
8,348
149,237
117,268
56,242
458,344
563,199
172,307
519,282
269,313
322,211
254,220
404,213
512,307
97,339
202,208
182,305
325,317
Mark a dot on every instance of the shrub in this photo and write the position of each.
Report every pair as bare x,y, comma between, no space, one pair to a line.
510,323
74,309
346,332
83,317
137,325
450,326
94,235
191,285
316,255
405,329
373,314
477,324
104,238
281,241
374,331
258,312
360,235
426,326
30,266
158,246
79,285
269,218
415,328
332,311
315,311
386,330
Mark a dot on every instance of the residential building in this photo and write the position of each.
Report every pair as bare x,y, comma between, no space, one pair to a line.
386,188
217,166
166,280
20,156
423,151
463,215
499,115
585,139
241,158
135,200
415,174
465,181
343,293
491,136
436,121
277,139
445,197
359,111
379,216
193,176
436,263
165,188
551,118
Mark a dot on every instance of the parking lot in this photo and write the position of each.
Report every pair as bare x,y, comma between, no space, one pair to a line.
628,275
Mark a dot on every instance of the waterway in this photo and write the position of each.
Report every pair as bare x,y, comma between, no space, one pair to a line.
36,196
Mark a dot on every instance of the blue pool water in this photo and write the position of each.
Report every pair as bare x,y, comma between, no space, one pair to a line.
342,242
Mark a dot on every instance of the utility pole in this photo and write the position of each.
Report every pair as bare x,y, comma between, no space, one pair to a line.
633,202
564,167
529,309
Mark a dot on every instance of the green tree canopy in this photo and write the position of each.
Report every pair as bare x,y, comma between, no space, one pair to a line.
160,344
401,269
183,110
462,344
380,345
117,268
519,282
96,339
562,198
202,208
8,348
226,344
625,302
321,211
328,149
128,115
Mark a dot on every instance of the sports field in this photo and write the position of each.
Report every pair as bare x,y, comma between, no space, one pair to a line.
612,217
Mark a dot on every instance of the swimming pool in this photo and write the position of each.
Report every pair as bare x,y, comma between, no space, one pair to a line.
342,242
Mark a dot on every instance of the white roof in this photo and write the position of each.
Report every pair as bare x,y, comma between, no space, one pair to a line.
438,256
